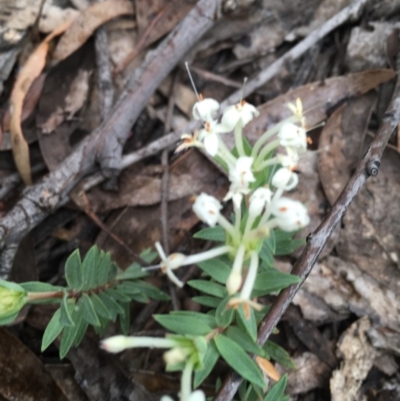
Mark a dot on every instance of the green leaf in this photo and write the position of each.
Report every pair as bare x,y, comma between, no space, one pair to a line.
133,272
151,291
117,295
205,300
243,339
90,268
37,286
210,359
128,288
247,324
216,269
224,315
100,308
89,314
208,287
111,304
125,318
279,354
270,242
285,244
238,360
53,329
104,268
266,255
69,333
216,234
184,322
74,271
67,308
277,391
148,255
271,281
80,333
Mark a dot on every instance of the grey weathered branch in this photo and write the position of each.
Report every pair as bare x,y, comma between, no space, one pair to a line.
105,143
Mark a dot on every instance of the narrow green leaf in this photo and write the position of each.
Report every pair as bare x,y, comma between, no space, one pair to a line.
100,308
69,333
140,298
216,234
117,295
238,360
191,323
271,281
37,286
148,255
74,271
247,323
133,272
266,255
53,329
217,269
270,242
285,244
128,288
205,300
90,266
89,314
243,339
277,391
224,315
208,287
67,307
104,268
279,354
111,304
125,318
151,291
210,359
80,333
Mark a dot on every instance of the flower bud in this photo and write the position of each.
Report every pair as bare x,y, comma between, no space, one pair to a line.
290,215
258,200
204,109
207,209
292,136
175,356
234,282
115,344
285,179
12,298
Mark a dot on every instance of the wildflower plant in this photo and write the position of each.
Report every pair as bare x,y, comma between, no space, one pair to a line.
236,273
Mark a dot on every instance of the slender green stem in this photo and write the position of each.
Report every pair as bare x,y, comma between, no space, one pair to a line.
42,296
266,150
238,132
186,381
224,152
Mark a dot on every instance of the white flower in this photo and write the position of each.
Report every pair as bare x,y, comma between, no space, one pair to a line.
209,134
241,172
292,136
197,395
290,215
234,282
204,109
241,113
240,176
175,356
289,160
207,209
285,179
189,141
172,262
258,200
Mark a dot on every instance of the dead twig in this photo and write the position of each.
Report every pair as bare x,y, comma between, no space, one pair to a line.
369,166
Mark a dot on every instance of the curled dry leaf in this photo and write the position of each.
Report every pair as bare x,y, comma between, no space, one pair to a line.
84,26
31,70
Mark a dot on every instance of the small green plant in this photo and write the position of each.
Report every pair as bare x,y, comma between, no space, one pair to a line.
237,272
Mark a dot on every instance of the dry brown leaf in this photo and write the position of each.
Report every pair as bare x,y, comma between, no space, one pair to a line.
89,20
22,374
341,144
29,72
318,99
268,368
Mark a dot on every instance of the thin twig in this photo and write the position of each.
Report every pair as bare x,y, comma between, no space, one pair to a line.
165,182
369,166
